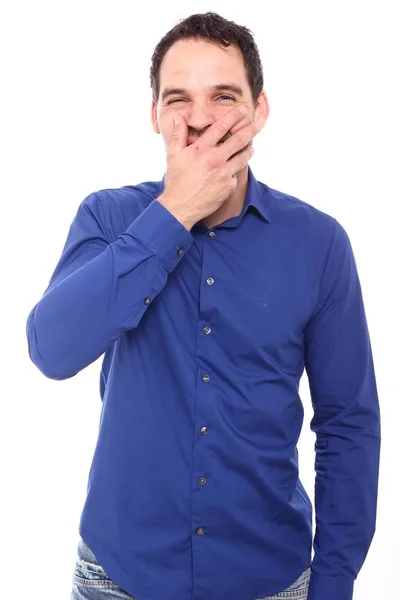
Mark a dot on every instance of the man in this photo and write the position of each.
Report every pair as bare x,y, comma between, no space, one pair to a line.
209,293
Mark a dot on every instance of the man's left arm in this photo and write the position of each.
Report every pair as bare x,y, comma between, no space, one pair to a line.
346,421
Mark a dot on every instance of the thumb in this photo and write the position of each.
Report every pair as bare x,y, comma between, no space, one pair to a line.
178,136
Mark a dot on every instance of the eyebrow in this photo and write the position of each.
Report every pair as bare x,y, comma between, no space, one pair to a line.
169,91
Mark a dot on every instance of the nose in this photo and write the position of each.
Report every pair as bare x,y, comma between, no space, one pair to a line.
199,117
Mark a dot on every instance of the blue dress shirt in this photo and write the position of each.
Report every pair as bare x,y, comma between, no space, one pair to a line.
193,492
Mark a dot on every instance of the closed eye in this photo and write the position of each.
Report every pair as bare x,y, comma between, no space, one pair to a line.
182,99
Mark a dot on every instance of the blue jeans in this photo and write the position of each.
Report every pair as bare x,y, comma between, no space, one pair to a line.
91,582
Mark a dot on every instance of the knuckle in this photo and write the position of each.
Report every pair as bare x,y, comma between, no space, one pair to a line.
214,160
221,125
219,174
231,182
224,174
238,138
228,172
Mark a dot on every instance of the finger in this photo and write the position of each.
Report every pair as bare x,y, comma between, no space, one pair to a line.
240,160
238,140
221,126
179,134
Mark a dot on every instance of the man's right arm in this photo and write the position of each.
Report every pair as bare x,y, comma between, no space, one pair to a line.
178,210
99,288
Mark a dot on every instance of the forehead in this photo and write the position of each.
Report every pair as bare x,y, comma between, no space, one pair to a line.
197,61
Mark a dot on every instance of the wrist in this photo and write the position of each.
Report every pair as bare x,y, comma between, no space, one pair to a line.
185,219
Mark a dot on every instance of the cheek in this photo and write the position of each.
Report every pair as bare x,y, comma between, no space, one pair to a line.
166,127
165,122
166,133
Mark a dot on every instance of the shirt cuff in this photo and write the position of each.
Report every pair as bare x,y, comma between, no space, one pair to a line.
330,587
160,231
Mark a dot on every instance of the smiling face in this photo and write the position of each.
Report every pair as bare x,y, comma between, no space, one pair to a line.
202,81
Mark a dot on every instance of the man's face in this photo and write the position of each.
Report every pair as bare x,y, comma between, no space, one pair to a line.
195,67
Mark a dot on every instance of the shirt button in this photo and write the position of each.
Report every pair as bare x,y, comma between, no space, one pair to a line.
205,378
204,430
180,251
211,234
207,330
200,530
147,301
202,480
210,281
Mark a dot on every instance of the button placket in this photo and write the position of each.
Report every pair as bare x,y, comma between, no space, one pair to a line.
206,379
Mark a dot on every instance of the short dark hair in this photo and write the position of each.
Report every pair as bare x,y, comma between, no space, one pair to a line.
214,28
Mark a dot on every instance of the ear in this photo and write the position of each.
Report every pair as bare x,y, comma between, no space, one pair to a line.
154,119
262,108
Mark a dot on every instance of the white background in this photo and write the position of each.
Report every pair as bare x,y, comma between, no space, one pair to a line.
75,118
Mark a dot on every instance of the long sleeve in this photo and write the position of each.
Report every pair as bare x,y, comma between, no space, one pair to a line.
100,288
340,370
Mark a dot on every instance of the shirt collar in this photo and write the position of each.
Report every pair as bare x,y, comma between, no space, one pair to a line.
257,195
